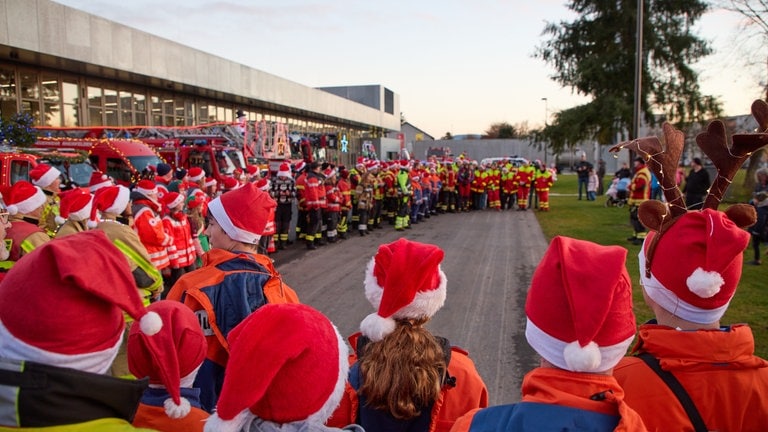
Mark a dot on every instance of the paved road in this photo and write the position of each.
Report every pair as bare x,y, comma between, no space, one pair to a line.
489,260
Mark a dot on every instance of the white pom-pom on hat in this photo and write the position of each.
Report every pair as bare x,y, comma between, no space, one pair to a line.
12,209
376,327
705,284
582,358
177,411
151,323
59,220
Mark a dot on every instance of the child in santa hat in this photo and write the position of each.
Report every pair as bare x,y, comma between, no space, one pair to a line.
580,321
24,202
170,359
287,371
404,377
234,280
58,342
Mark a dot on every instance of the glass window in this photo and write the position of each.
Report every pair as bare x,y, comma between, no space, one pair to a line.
52,115
71,115
126,118
8,84
94,116
111,116
51,93
168,106
33,108
94,96
19,170
126,100
140,103
30,87
141,119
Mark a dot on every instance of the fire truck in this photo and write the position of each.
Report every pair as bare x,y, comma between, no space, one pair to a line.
16,163
123,159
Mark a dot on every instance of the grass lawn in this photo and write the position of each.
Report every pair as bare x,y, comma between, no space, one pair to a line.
591,220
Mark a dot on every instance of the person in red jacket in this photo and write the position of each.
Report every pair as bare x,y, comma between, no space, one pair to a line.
405,378
182,253
314,200
580,321
170,359
24,203
148,224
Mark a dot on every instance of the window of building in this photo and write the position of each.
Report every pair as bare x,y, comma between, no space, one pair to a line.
30,94
7,93
70,103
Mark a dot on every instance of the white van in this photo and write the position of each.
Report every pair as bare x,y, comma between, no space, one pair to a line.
516,161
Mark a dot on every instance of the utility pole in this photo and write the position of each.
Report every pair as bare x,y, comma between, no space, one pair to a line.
638,71
546,117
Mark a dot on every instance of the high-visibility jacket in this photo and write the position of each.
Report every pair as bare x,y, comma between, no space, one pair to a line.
333,197
47,220
493,179
314,191
524,177
177,224
346,193
149,227
640,187
22,238
462,395
727,383
301,186
543,180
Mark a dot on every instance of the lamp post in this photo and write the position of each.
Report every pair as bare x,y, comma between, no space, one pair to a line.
546,117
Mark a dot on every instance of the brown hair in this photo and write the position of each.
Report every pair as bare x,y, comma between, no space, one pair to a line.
403,373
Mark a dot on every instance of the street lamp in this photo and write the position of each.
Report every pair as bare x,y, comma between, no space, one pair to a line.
546,116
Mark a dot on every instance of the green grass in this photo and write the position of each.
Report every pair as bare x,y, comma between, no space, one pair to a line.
591,220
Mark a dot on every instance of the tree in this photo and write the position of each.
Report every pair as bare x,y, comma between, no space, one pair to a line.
500,130
18,130
447,136
594,55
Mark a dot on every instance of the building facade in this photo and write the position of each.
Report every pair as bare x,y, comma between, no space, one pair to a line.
68,68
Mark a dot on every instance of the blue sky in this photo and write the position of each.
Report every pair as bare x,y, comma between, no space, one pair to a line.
458,66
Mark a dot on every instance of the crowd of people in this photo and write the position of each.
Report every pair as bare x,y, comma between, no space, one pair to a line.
157,308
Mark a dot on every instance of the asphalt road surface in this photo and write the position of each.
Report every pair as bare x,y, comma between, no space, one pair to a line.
489,259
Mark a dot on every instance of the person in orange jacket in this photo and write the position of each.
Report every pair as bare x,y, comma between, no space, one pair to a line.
689,274
234,280
170,360
581,326
543,181
429,384
148,224
524,180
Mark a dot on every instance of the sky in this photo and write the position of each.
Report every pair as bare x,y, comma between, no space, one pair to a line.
457,65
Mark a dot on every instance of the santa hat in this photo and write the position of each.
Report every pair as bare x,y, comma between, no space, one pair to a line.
287,363
329,172
243,213
163,169
252,170
195,200
75,317
404,164
172,199
43,174
230,183
263,184
361,161
99,180
210,182
110,199
403,280
171,356
284,170
23,197
300,165
696,265
579,306
196,174
75,204
146,187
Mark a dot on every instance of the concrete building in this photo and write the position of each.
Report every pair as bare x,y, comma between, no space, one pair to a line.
69,68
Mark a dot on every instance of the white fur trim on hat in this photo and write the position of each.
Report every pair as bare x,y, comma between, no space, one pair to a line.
29,204
674,305
573,357
216,208
97,362
146,192
424,304
82,214
59,220
121,201
49,177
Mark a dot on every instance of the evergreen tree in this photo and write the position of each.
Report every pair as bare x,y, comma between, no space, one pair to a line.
595,56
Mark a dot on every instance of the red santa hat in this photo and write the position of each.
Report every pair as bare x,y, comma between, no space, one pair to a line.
146,187
195,200
287,363
23,197
196,174
371,164
109,199
263,184
43,175
579,306
172,357
75,317
361,161
252,170
403,280
329,172
243,213
210,182
300,165
99,180
404,164
75,204
284,170
696,265
172,199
